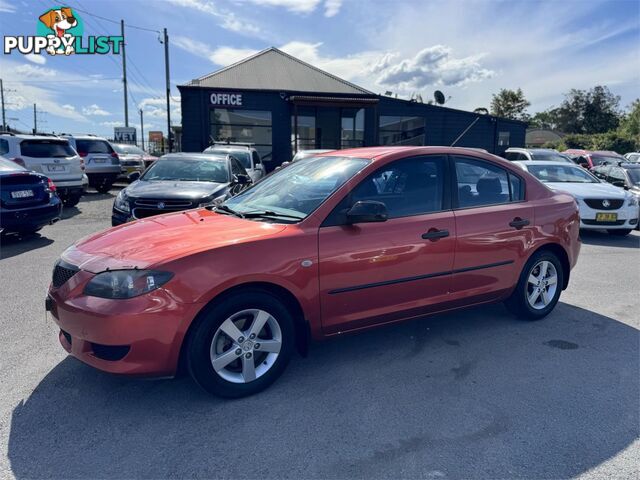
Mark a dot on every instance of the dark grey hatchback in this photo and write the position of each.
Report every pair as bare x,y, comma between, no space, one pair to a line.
180,181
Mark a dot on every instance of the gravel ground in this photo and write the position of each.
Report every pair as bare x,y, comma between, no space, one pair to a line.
473,394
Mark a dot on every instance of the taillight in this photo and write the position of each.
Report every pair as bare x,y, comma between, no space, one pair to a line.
19,161
115,155
83,154
82,164
52,186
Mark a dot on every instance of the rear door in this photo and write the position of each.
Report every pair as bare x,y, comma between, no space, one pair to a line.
378,272
55,158
494,225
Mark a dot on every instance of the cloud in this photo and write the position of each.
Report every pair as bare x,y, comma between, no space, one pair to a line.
227,18
32,57
6,7
332,7
33,71
95,110
156,107
69,108
430,67
112,124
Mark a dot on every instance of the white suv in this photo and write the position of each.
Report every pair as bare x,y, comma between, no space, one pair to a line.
52,156
102,163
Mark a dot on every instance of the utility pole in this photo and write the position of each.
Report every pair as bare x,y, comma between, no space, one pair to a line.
4,120
35,120
166,68
141,129
124,75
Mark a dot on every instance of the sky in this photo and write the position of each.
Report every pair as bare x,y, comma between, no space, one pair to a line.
469,49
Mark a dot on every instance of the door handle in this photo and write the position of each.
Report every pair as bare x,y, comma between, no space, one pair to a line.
434,234
518,223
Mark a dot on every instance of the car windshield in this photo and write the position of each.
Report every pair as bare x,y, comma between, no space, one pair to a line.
634,175
128,150
298,189
243,156
549,156
600,159
561,174
188,170
46,149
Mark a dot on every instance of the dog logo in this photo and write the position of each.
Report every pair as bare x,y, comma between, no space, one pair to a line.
59,21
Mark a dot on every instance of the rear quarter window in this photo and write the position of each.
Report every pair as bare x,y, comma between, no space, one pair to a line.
46,149
94,146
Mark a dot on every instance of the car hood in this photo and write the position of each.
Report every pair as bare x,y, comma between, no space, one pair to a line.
588,190
163,238
170,189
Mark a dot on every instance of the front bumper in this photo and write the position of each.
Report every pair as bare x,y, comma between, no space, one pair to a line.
28,219
140,336
627,218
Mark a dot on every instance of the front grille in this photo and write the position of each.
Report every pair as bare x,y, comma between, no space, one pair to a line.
150,212
604,224
596,203
168,204
62,272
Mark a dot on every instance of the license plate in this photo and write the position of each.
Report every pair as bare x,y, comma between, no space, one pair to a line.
606,217
56,168
100,160
22,194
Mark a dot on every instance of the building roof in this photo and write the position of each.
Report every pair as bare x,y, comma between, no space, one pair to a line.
272,69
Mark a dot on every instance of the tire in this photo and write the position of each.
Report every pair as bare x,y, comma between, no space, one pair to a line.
71,201
619,232
104,187
519,302
207,342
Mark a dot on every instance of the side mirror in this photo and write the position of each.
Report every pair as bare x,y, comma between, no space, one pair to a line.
133,176
242,179
367,211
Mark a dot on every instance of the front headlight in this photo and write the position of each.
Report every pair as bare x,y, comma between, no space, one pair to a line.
633,201
215,202
122,202
119,284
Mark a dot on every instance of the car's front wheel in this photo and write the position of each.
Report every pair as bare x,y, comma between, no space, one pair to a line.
241,345
539,287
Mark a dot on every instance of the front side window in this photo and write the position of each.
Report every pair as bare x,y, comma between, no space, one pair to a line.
299,189
481,183
187,170
407,187
46,149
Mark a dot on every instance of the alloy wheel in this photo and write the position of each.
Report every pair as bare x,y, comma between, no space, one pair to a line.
245,346
542,284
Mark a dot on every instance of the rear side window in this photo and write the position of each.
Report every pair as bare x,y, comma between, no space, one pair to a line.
481,183
93,146
46,149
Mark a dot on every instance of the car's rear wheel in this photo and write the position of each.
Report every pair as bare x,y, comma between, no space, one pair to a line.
539,287
619,232
241,345
71,201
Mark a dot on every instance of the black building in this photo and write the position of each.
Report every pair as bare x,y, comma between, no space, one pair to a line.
283,105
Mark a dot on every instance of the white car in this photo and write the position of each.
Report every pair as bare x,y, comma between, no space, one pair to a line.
529,154
632,157
602,205
102,163
52,156
245,154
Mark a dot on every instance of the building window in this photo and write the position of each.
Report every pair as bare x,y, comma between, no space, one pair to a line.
352,128
306,130
396,130
503,139
245,126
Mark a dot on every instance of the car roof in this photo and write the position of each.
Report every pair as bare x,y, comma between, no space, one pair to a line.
193,156
521,149
26,136
219,146
83,137
377,153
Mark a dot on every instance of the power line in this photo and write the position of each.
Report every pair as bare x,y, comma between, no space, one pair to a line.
116,21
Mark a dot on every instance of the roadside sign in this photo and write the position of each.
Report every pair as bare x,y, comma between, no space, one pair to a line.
124,135
155,136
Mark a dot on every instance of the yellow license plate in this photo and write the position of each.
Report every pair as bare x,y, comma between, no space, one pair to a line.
606,217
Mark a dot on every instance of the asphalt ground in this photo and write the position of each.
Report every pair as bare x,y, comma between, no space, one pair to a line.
472,394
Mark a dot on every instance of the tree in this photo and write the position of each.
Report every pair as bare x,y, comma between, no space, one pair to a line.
588,111
510,104
630,123
547,119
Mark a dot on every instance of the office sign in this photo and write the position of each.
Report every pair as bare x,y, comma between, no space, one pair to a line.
233,99
124,134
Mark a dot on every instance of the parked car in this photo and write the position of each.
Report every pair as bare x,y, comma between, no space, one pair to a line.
231,291
28,200
632,157
102,163
527,154
132,158
248,157
52,156
180,181
602,206
589,159
624,175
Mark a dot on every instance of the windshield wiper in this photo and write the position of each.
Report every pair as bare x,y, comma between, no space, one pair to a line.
270,213
224,208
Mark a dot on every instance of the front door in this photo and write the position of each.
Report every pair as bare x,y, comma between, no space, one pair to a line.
378,272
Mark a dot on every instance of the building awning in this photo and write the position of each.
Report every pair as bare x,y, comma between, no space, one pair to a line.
316,101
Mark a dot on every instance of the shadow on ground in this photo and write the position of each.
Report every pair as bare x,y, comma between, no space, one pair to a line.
12,245
475,394
604,239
